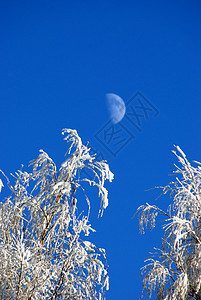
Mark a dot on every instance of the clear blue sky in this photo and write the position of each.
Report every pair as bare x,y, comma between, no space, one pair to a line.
58,60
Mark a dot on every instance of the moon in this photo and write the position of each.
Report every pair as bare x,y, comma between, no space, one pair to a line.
116,107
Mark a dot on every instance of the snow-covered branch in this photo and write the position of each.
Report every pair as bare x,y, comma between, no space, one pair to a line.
176,271
44,253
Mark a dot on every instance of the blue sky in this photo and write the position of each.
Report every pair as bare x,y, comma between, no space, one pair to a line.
58,60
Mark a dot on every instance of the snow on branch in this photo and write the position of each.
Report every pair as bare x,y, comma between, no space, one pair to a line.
43,251
175,273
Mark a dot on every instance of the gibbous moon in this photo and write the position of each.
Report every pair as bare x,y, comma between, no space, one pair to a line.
116,107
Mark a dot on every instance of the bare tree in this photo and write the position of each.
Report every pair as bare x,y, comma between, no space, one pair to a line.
44,253
174,271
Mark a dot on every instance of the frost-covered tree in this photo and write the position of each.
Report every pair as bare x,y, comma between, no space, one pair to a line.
174,271
44,253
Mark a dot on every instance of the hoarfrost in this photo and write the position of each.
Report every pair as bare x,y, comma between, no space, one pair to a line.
42,251
175,271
